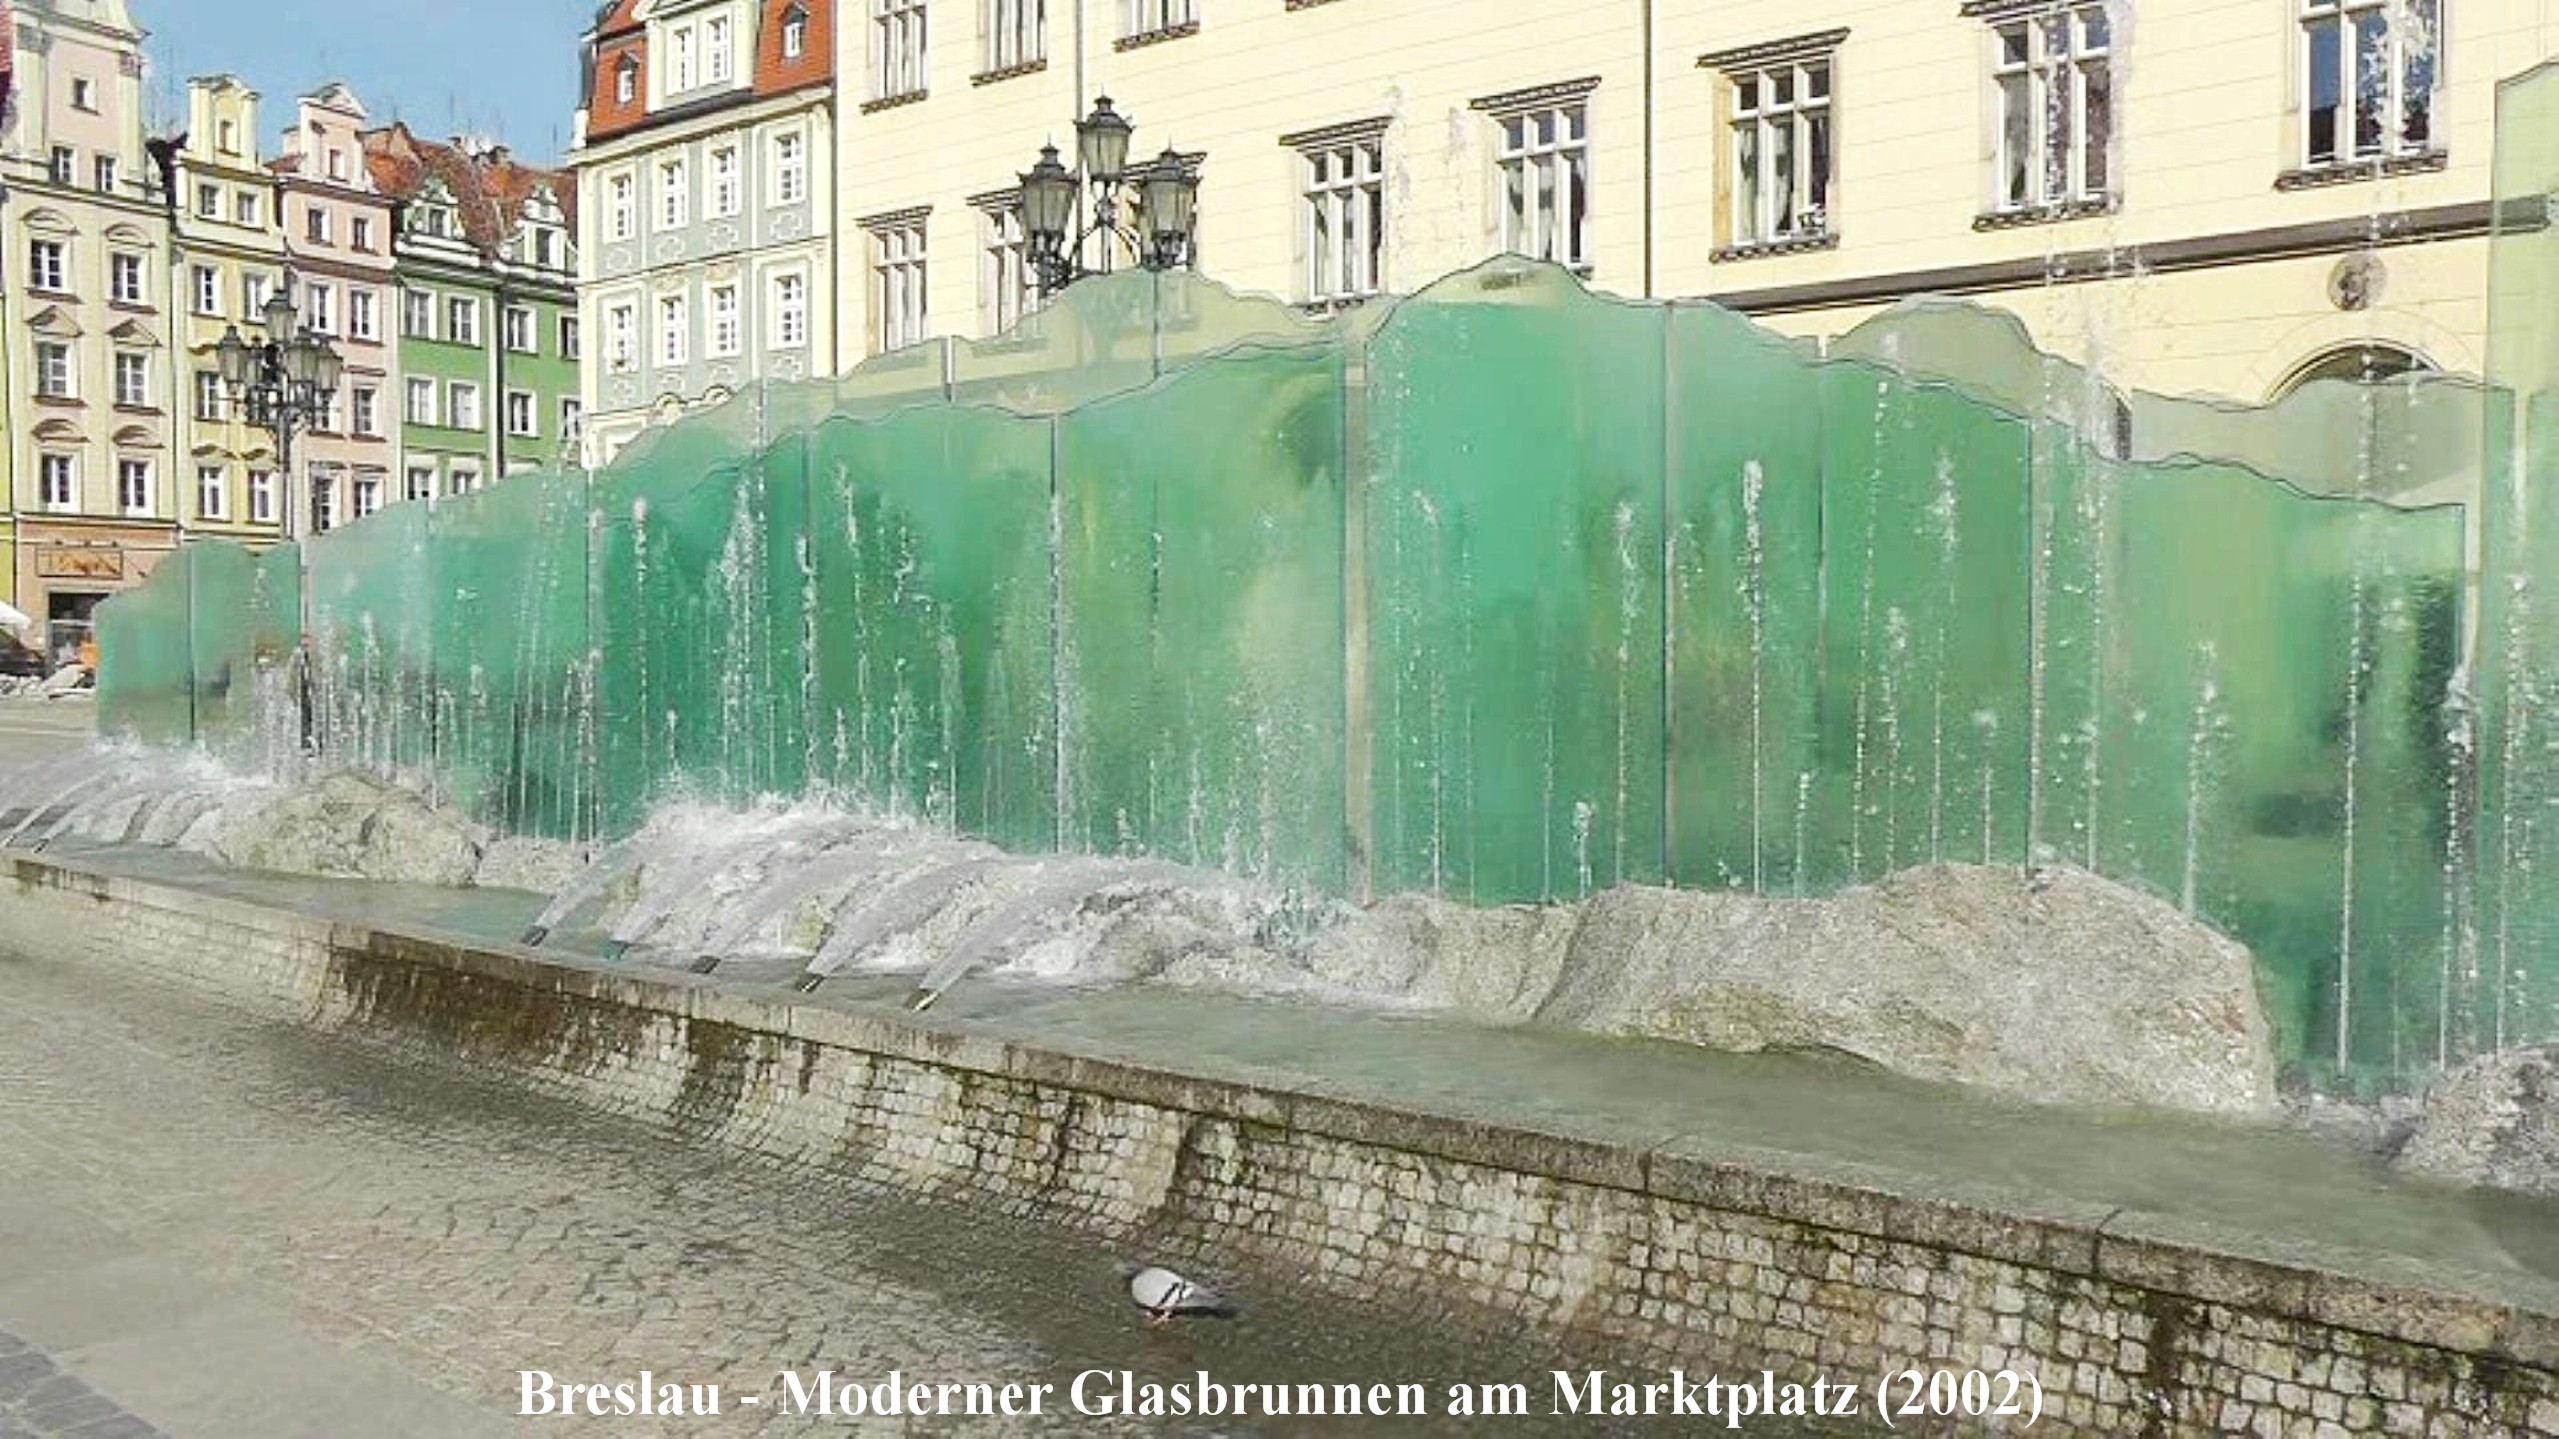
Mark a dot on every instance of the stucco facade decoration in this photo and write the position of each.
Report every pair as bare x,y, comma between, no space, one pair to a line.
706,206
2165,188
86,314
338,246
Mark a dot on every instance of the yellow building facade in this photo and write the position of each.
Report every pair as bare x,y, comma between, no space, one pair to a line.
227,255
2205,196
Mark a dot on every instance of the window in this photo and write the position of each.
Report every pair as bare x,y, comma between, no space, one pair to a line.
53,370
466,478
133,379
368,492
324,498
262,497
673,195
360,232
898,283
1345,218
212,492
1016,33
462,319
618,207
790,311
228,137
421,409
518,323
621,339
2372,70
320,307
1781,150
1005,283
1147,17
208,201
337,164
626,80
715,50
421,485
433,220
679,60
208,394
417,314
897,48
59,167
1545,182
367,402
519,413
331,419
724,182
84,94
244,207
253,296
725,339
2056,107
124,278
45,265
568,337
795,33
790,168
462,406
364,314
208,289
671,328
315,225
570,414
106,174
133,486
61,483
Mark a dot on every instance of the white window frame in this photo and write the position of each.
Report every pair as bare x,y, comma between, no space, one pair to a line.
675,193
261,497
1343,206
125,285
790,182
626,80
133,487
726,182
364,314
675,320
208,201
717,50
417,314
245,207
320,307
212,492
368,493
795,33
58,481
1007,288
520,331
132,379
679,59
1782,147
208,290
462,405
569,337
621,202
364,410
529,425
2045,85
790,309
210,402
1154,17
462,319
727,320
1543,187
900,48
2408,38
57,370
49,266
420,483
421,405
1016,34
572,415
622,338
901,284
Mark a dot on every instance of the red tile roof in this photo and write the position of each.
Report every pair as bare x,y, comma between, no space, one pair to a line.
619,36
489,191
774,73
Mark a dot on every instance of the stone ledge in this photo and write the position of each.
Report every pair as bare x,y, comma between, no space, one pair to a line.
2394,1300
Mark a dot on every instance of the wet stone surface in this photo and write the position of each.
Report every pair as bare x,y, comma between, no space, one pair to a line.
406,1237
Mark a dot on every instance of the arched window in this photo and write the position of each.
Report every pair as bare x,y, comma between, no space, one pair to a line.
2368,362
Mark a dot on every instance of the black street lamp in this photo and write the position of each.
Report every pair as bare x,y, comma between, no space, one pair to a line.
283,384
1054,200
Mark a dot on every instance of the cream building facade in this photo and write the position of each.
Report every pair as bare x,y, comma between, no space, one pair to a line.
2216,196
86,318
226,255
337,235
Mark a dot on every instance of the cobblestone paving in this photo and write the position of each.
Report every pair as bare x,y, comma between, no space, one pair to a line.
38,1399
452,1231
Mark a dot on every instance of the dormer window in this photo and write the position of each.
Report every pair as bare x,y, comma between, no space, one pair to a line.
229,137
626,80
795,32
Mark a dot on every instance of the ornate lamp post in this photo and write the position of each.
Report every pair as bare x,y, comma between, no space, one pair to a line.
1055,202
282,384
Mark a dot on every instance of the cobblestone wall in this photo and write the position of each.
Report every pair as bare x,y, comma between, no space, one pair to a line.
1719,1263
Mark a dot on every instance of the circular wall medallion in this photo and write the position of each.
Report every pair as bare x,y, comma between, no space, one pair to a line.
2357,281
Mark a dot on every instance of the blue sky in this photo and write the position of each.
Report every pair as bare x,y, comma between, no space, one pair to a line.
505,67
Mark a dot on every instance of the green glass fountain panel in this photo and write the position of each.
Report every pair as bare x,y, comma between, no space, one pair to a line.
145,679
372,646
660,530
935,692
222,648
1515,452
1201,555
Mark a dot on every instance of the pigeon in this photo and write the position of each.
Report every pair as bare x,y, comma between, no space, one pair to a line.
1165,1295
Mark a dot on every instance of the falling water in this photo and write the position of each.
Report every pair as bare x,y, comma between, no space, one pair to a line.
2202,745
1755,608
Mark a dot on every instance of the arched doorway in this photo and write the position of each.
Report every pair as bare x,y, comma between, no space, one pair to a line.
2369,361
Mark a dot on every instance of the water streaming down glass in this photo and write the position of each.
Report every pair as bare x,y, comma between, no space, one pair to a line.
1503,591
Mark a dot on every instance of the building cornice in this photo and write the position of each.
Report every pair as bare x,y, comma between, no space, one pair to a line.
694,117
1769,52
